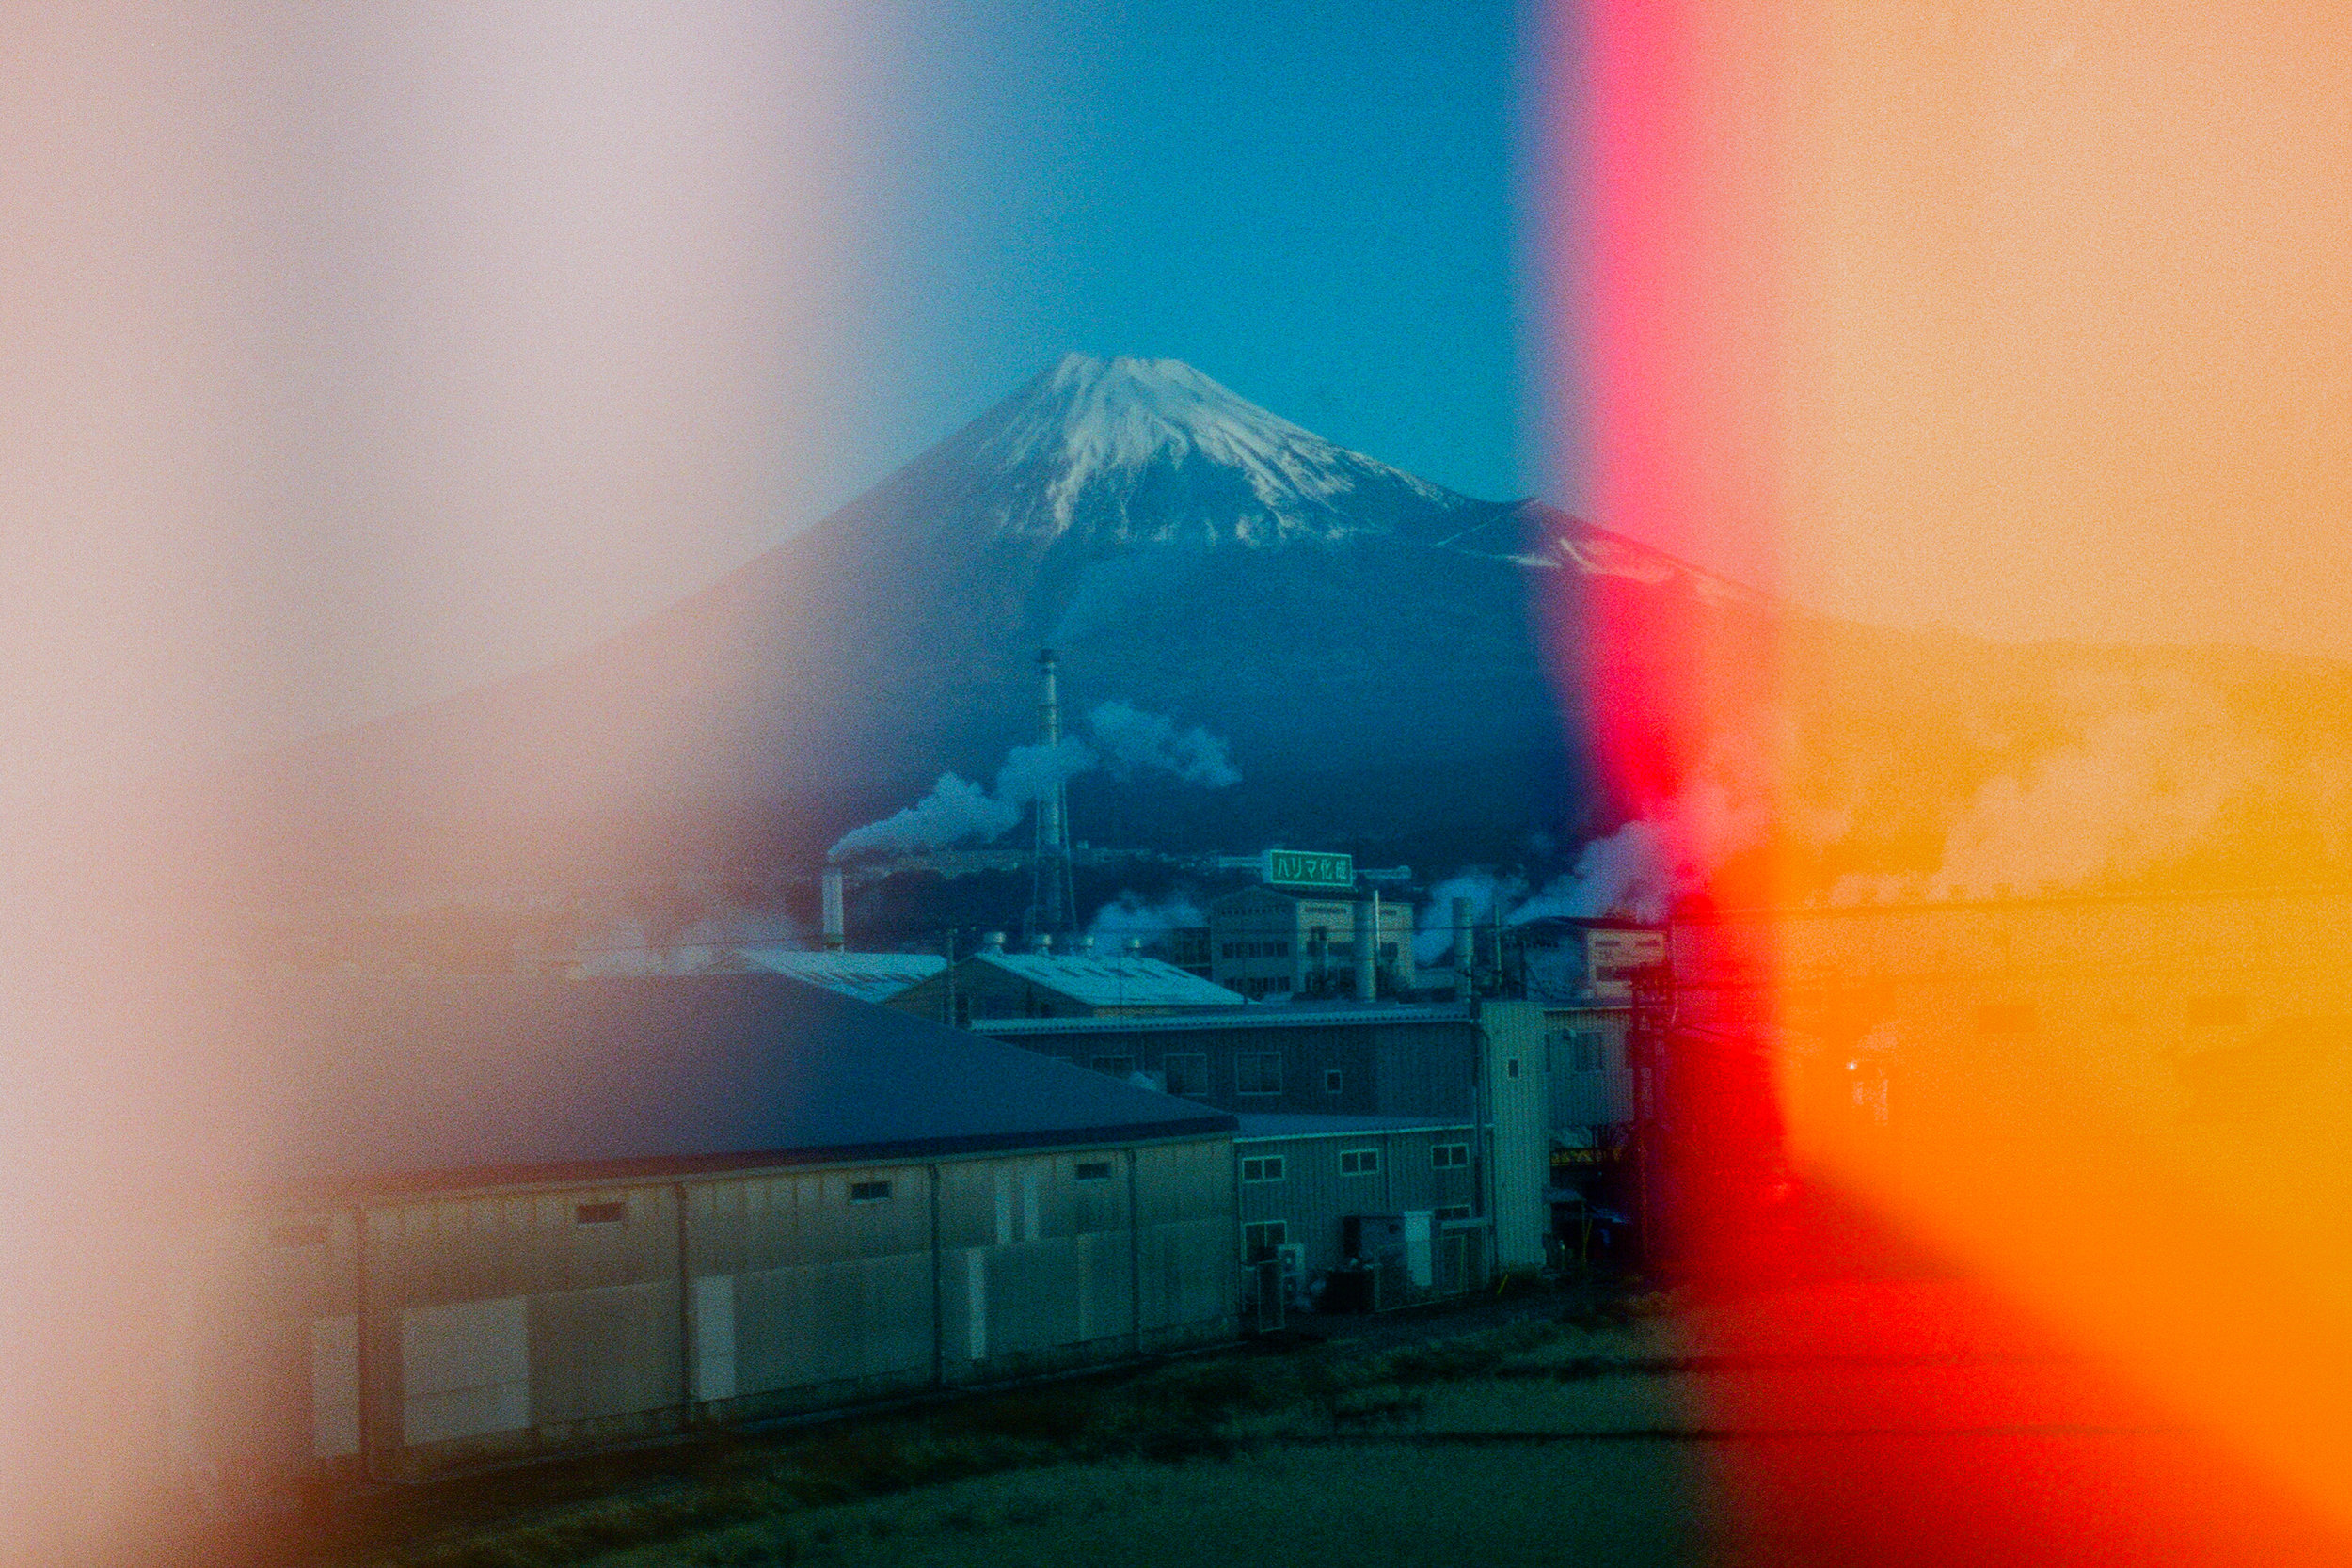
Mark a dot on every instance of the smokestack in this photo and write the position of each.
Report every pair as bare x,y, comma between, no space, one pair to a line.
1367,947
1050,898
1053,812
1463,953
835,932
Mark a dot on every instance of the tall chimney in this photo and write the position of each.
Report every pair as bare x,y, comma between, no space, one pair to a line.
1050,896
835,932
1465,957
1367,948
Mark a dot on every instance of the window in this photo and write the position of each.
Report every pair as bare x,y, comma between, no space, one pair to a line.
1095,1170
1387,953
1280,949
1359,1161
1117,1067
298,1233
2005,1018
1454,1211
1586,1051
1258,1072
2215,1012
869,1192
1448,1156
1187,1072
1511,1067
1332,1081
1260,1240
1262,1168
963,1010
1280,982
600,1213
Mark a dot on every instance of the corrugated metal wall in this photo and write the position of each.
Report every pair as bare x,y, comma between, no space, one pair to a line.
504,1323
1410,1068
1314,1196
1518,1114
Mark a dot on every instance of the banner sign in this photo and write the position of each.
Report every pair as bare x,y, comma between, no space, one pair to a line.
1309,869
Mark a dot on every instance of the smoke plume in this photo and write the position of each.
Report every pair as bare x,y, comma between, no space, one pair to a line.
1120,737
2142,787
1487,894
1131,915
956,809
1135,741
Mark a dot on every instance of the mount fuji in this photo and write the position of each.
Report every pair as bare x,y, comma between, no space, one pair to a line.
1365,640
1397,668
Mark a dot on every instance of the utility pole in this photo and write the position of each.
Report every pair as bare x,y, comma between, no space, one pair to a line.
1647,1025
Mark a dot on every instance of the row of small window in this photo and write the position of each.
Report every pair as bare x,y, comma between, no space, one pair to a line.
1261,985
1353,1162
313,1233
1254,949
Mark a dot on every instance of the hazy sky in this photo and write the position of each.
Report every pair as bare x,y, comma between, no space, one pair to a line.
1311,200
557,311
391,349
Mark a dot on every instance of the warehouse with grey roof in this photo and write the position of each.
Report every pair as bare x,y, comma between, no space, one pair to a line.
499,1217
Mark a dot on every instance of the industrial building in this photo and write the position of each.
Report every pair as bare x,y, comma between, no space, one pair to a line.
503,1217
1485,1064
1398,1197
1571,963
1395,1060
1277,943
993,984
1895,1011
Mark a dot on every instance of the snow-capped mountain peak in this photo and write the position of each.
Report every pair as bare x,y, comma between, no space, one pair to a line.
1152,449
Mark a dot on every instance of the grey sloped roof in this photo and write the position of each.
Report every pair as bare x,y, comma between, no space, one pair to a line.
1311,1124
867,976
453,1082
1123,981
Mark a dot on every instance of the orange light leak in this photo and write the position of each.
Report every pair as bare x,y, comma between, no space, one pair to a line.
2031,321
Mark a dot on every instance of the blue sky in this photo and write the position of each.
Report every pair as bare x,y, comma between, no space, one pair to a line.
1311,202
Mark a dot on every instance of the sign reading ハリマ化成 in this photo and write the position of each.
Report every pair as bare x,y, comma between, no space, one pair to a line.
1309,869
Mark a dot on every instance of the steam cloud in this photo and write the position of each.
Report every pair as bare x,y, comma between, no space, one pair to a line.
1121,738
1487,894
1131,915
1134,741
2144,784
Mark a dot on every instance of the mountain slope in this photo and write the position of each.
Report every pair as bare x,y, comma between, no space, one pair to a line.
1398,668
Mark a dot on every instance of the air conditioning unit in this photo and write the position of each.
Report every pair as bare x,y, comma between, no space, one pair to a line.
1294,1260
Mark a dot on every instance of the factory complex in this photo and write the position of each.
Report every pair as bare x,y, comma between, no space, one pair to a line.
502,1217
508,1216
